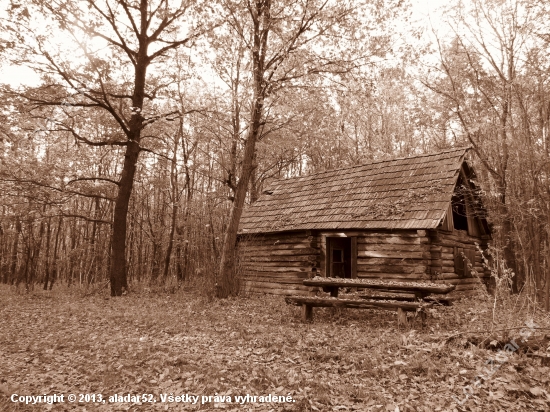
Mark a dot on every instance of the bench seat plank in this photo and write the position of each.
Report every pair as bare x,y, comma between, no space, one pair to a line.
432,299
313,301
422,287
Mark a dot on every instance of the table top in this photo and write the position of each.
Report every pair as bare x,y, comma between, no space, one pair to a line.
423,287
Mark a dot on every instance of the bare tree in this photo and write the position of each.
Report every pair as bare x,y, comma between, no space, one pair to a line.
107,61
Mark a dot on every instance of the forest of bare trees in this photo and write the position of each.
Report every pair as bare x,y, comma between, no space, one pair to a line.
153,124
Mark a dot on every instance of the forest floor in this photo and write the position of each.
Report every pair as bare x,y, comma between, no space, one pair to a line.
153,345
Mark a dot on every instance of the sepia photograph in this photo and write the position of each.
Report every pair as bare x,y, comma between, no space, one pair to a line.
197,196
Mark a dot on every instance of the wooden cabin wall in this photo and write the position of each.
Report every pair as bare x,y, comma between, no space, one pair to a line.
443,262
278,263
400,255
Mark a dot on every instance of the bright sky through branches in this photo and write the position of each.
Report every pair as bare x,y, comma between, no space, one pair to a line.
425,13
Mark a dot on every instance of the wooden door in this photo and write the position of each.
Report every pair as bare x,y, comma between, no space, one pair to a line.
339,254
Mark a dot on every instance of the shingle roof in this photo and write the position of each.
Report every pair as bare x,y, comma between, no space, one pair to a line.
406,193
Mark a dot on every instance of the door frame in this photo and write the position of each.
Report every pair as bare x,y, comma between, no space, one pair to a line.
326,256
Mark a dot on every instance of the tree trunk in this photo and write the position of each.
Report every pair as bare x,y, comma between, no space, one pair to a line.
118,252
261,20
226,285
508,242
35,259
15,248
55,254
118,269
253,183
47,258
175,203
71,260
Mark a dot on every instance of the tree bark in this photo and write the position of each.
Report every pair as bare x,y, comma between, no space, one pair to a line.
253,182
15,248
55,254
227,280
118,269
225,287
118,254
47,258
175,203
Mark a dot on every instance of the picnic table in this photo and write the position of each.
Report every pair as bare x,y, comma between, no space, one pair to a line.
420,290
422,298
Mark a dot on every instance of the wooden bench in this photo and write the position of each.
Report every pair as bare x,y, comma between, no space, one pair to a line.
310,302
418,300
432,299
420,290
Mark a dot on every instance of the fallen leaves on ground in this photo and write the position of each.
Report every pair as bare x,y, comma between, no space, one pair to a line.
348,360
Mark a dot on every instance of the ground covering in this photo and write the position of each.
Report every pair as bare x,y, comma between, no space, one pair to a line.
158,344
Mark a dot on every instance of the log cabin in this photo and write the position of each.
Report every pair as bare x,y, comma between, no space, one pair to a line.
417,218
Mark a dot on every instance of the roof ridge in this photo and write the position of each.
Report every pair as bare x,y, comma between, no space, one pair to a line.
372,162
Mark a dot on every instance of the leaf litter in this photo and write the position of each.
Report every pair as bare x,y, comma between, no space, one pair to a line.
347,360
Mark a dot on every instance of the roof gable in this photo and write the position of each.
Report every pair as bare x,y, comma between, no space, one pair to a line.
406,193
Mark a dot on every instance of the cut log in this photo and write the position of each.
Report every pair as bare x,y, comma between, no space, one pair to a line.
278,258
280,252
281,238
394,277
392,240
402,233
390,247
394,254
314,301
392,261
281,291
410,298
270,269
377,284
273,264
266,286
404,269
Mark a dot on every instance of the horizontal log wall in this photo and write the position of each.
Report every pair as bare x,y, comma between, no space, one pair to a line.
393,255
278,263
443,250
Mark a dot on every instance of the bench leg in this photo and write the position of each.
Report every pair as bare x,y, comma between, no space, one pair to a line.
423,316
307,313
401,317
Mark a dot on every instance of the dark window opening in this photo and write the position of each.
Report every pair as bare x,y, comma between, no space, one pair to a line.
460,218
339,252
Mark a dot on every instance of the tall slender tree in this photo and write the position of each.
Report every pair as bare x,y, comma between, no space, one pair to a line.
285,43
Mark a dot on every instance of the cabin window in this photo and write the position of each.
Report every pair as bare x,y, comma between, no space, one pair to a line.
463,214
341,257
460,217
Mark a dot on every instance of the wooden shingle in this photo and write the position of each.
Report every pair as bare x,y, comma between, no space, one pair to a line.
407,193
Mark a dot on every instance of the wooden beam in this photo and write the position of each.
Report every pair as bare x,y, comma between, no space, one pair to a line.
354,257
374,284
307,313
316,302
